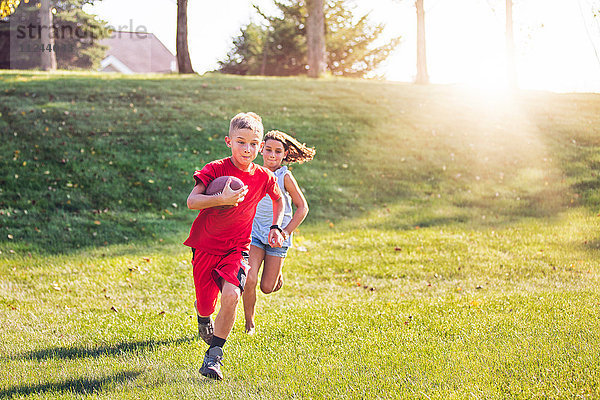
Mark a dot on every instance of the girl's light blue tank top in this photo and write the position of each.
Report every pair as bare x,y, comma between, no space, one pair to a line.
264,211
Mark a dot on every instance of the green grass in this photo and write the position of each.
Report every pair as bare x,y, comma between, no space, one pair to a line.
451,251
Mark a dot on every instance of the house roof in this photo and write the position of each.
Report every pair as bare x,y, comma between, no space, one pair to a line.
137,52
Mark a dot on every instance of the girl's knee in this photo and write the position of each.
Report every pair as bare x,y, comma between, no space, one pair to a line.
251,281
266,289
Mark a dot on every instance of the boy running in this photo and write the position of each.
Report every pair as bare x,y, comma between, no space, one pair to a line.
220,237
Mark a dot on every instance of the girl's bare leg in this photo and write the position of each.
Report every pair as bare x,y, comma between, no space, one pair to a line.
271,273
249,296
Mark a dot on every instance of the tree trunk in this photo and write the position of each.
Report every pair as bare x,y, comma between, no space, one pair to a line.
511,68
183,55
315,38
48,56
422,75
263,65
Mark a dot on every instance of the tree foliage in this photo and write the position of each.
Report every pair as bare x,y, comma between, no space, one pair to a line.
76,35
7,7
278,45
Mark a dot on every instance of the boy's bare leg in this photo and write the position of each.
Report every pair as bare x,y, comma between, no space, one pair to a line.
249,296
230,295
271,273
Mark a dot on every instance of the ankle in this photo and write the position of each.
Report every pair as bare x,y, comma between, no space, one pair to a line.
217,342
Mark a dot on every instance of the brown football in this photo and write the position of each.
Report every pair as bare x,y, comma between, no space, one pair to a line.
217,185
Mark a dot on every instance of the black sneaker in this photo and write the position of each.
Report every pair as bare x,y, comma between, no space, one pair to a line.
211,367
205,330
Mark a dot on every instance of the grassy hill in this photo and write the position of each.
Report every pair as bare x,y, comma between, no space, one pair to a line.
80,149
452,245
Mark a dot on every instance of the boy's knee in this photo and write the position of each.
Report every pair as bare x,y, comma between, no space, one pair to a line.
230,295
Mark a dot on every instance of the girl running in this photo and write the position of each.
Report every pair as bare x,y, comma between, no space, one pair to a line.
278,147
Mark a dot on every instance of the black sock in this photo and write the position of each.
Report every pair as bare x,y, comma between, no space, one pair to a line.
203,320
217,342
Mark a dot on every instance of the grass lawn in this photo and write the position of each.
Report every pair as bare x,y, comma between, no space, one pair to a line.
452,248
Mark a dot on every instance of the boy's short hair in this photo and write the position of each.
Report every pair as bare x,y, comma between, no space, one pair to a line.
248,120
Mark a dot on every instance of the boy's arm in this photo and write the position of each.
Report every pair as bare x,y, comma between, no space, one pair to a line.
197,200
275,236
299,201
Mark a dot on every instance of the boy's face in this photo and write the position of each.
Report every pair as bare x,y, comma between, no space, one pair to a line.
245,145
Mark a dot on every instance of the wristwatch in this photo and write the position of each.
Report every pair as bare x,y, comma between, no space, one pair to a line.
276,227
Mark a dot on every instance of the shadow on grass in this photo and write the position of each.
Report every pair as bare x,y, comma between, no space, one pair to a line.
592,245
408,215
61,232
99,351
76,386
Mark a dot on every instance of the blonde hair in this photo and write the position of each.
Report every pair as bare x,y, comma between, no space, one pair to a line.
248,120
297,152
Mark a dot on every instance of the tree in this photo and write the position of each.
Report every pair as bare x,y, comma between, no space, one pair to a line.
509,46
422,75
279,45
183,54
76,36
8,7
349,42
48,55
511,68
595,9
315,37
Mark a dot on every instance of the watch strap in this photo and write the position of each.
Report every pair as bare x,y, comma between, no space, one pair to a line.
276,227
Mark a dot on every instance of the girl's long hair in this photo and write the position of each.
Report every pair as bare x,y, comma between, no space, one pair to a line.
297,152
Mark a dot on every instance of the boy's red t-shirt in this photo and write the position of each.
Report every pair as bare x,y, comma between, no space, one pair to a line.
218,231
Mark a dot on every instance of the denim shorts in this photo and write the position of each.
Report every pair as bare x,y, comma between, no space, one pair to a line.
271,251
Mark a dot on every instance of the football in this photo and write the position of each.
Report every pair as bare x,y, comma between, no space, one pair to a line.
218,184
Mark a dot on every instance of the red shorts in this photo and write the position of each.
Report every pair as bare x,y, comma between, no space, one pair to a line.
210,271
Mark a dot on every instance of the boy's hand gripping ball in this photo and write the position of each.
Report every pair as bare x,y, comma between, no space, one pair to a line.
217,186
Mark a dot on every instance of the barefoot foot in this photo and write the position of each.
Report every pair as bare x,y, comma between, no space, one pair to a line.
279,284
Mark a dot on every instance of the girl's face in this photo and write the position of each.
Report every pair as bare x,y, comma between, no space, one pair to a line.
273,154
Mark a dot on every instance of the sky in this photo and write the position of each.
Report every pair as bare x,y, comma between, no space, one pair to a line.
556,40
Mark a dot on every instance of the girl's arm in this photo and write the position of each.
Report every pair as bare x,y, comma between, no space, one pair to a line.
291,186
197,200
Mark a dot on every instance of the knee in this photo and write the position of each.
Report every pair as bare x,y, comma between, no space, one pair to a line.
251,281
230,296
266,289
